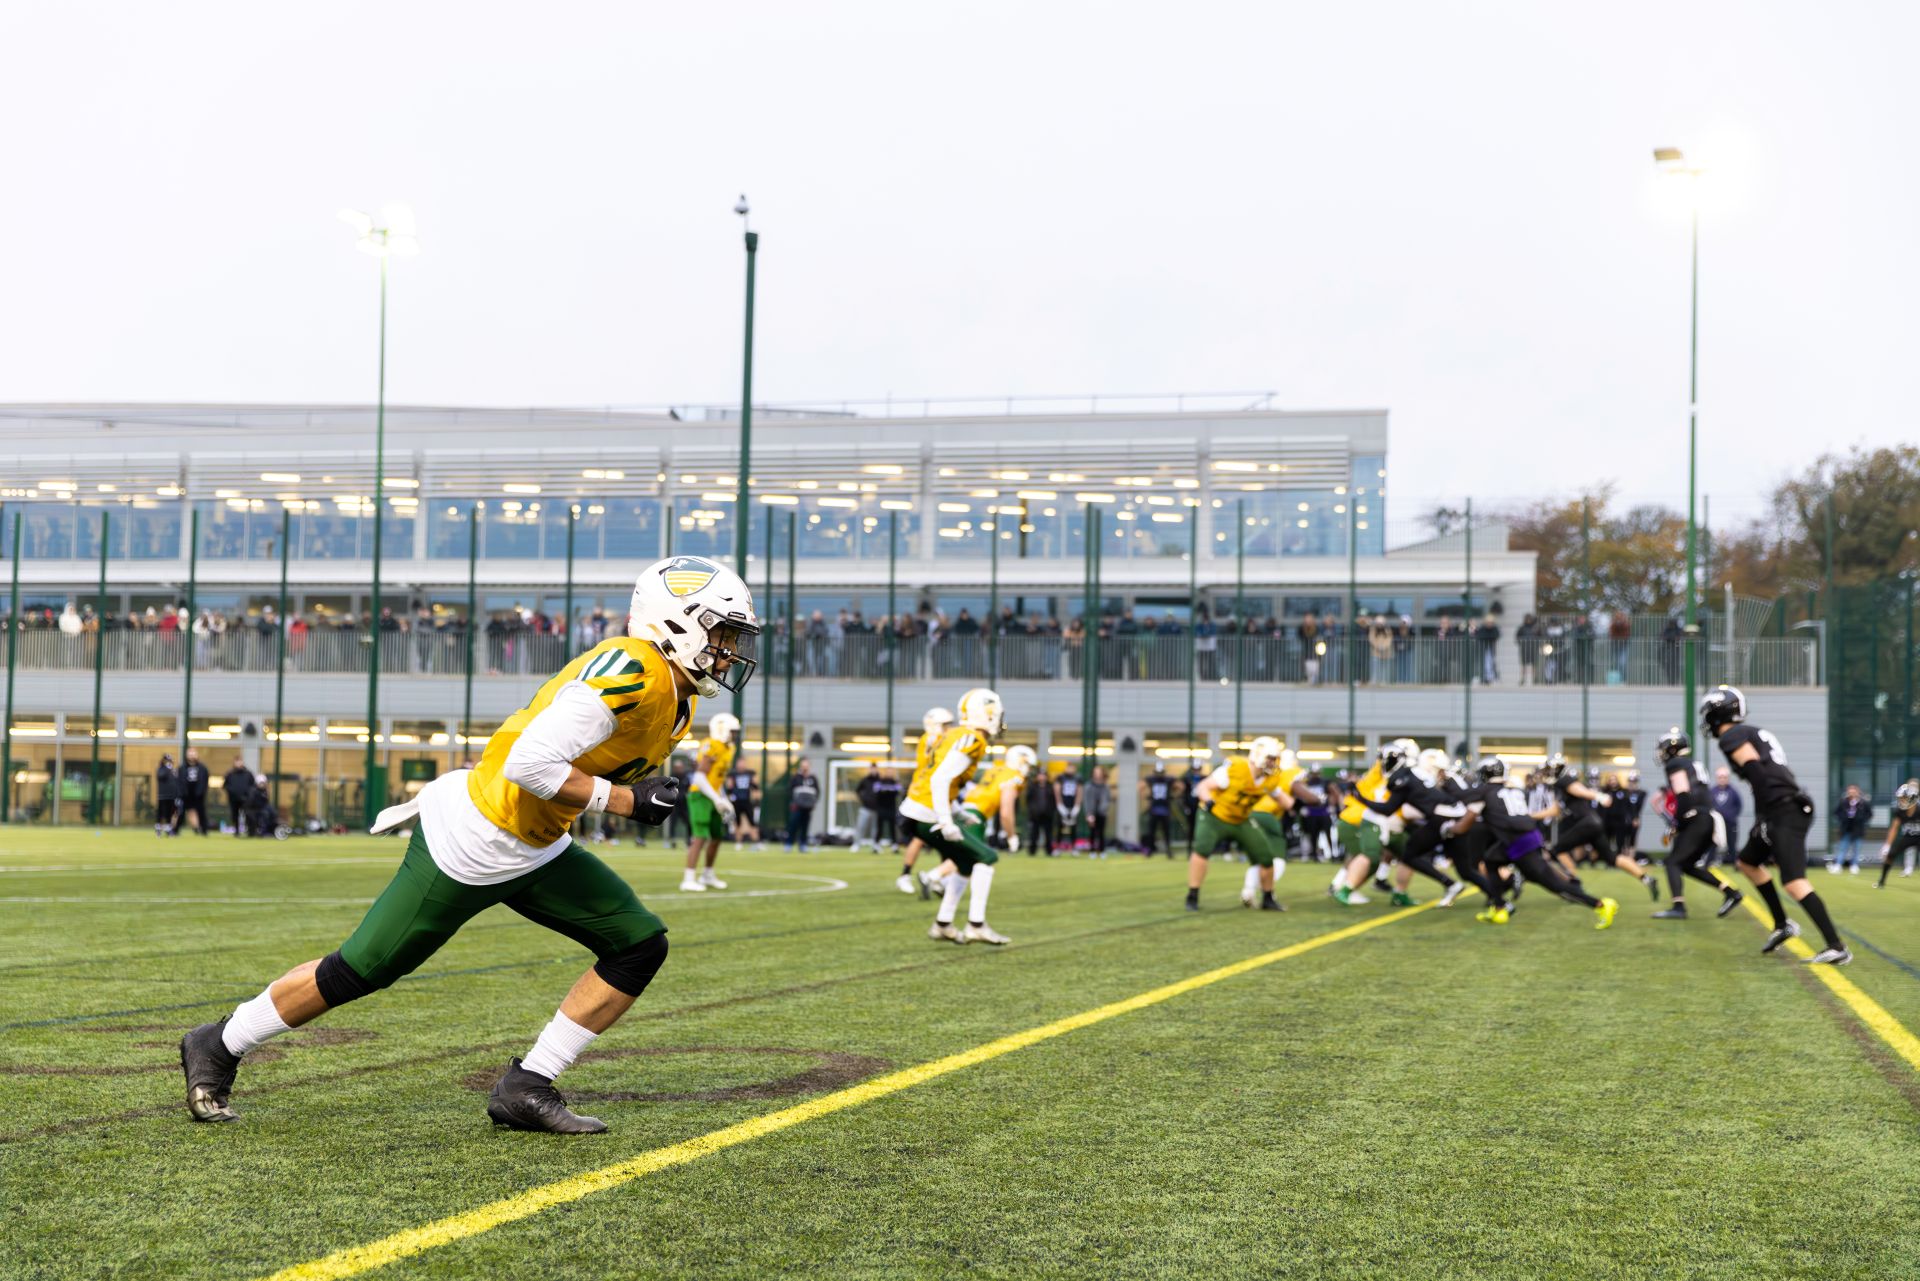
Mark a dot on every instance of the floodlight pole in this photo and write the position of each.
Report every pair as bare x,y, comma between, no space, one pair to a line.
1693,438
473,632
374,803
280,657
742,513
186,631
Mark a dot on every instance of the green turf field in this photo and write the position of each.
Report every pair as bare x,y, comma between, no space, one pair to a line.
1429,1098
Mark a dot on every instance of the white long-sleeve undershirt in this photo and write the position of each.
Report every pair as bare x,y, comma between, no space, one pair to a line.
573,724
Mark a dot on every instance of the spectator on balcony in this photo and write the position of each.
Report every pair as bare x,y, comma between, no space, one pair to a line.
1403,650
423,641
1380,649
1206,645
1127,647
1171,663
1526,639
1076,642
1553,654
1487,637
966,644
1583,648
815,663
1671,635
1311,642
1620,633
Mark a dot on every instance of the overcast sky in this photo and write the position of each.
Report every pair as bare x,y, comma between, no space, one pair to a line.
1449,210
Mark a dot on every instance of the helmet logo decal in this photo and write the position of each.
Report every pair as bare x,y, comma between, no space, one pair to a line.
685,575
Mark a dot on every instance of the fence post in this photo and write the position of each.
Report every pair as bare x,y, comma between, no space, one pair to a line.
1193,618
1586,574
766,686
993,602
474,631
792,643
1239,618
893,631
1467,641
186,630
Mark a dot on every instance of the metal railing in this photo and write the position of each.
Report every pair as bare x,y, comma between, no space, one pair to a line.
1263,660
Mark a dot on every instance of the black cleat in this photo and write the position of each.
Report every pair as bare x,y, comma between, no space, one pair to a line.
1831,956
1729,899
1272,904
1653,887
1790,930
210,1068
1678,912
523,1100
1193,905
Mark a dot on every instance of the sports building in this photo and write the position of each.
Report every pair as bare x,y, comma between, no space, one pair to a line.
508,538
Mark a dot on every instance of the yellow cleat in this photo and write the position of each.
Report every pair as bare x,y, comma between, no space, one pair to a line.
1492,916
1606,912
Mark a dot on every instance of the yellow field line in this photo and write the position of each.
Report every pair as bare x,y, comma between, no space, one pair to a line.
377,1254
1870,1011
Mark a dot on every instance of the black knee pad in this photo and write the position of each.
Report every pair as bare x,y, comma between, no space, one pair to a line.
339,982
631,970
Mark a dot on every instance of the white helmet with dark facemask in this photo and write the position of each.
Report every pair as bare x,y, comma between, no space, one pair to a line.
700,616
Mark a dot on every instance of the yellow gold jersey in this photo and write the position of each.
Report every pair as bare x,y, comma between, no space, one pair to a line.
637,686
721,754
1277,784
923,749
970,742
1236,799
1372,786
985,795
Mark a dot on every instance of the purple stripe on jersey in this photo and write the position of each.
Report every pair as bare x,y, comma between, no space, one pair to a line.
1524,844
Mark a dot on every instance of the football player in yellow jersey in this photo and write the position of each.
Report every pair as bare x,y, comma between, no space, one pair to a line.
709,812
1287,788
590,741
932,726
1227,797
931,813
1363,834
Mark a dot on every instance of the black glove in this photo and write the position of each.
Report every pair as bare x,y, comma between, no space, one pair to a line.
654,799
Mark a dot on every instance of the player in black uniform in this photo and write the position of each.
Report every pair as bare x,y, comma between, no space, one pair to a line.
1580,823
1693,820
1439,803
1190,798
1157,788
1903,833
1517,841
1783,813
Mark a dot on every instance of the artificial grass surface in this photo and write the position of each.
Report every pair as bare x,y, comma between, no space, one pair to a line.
1432,1098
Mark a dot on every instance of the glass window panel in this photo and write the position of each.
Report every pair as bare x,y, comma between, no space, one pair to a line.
631,528
447,527
153,531
326,535
46,530
511,530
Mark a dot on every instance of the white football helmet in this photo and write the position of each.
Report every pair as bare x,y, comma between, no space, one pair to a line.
1264,754
1434,762
724,726
1021,759
981,709
936,720
1401,751
700,616
1288,759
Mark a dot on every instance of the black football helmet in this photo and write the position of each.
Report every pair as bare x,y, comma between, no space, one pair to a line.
1722,707
1907,795
1552,768
1673,743
1491,769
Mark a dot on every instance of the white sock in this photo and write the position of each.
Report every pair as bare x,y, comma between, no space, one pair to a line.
560,1043
1909,862
982,879
950,897
1250,883
251,1023
1279,868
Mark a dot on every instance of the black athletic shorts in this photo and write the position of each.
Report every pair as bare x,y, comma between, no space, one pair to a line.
1585,830
1780,838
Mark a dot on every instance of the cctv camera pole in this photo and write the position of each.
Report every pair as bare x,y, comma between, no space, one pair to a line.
742,513
99,667
280,656
186,628
13,648
473,633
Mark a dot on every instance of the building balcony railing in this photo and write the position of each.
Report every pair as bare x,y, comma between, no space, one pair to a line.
1253,660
